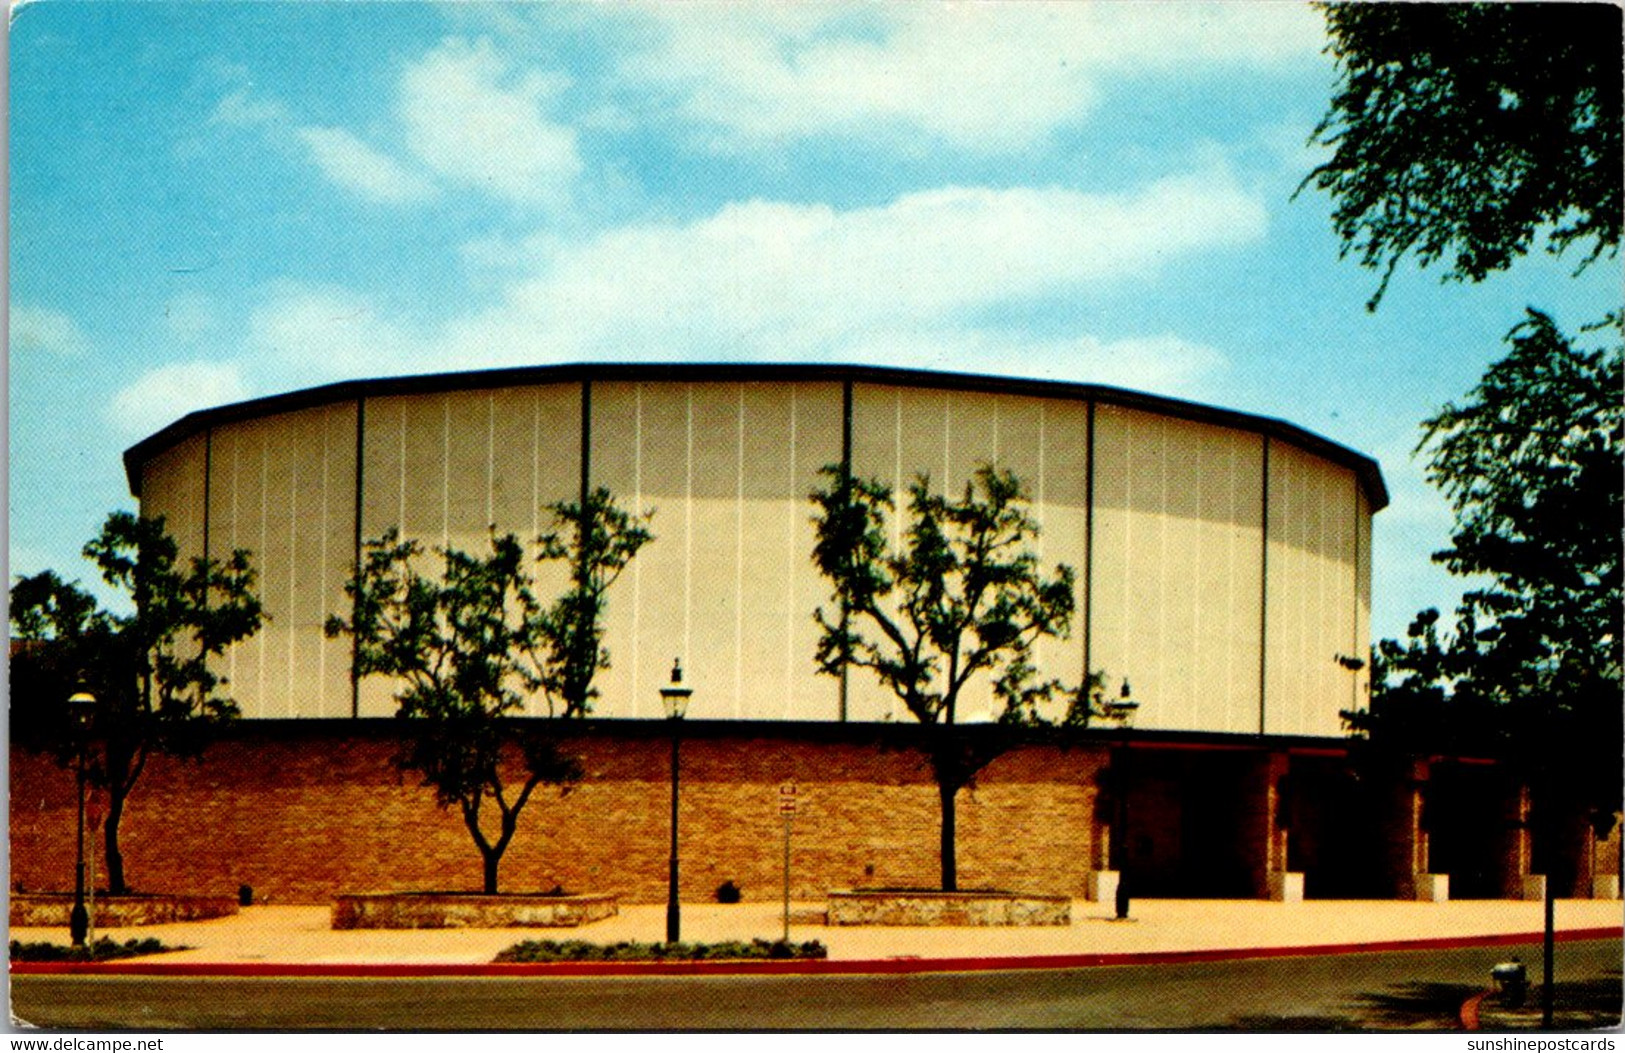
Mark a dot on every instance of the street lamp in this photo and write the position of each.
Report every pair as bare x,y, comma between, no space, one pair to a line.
674,697
1122,708
81,708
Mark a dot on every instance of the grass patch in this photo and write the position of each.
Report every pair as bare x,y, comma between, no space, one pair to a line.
732,950
102,950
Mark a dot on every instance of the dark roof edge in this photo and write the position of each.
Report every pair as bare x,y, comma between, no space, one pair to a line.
1367,469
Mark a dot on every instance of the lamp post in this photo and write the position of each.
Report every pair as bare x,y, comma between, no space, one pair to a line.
674,697
81,707
1121,709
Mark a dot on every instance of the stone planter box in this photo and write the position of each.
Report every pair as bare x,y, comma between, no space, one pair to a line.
52,909
459,910
924,907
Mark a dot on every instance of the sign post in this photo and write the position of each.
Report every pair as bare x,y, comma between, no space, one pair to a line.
787,809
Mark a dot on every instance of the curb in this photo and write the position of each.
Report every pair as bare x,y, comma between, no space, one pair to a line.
803,967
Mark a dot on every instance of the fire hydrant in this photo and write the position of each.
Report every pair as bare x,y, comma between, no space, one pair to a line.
1512,980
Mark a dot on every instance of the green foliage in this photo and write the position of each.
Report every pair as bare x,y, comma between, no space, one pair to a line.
1466,132
472,643
963,596
101,950
1532,464
731,950
153,670
598,539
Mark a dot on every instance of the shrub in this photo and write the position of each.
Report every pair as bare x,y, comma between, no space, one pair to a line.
732,950
103,949
728,892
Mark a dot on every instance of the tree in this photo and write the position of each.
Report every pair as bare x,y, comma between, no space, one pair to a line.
962,597
472,644
1531,463
150,670
598,539
1466,133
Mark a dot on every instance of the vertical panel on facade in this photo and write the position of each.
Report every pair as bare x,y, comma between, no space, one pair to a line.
728,583
617,465
786,433
383,496
900,433
283,487
640,443
1059,484
320,448
1177,567
714,584
886,442
469,459
1360,642
172,485
446,468
1312,593
816,417
534,437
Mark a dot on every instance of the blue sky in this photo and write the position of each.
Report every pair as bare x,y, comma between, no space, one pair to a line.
211,202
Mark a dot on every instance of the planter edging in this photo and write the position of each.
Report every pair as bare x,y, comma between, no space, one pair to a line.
469,910
937,908
52,909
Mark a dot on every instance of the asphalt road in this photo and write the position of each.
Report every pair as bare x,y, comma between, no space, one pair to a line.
1359,991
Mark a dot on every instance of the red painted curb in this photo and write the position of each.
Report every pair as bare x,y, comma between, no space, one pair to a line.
807,967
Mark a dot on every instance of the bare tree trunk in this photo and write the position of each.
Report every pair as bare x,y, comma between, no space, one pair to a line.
950,867
492,860
112,857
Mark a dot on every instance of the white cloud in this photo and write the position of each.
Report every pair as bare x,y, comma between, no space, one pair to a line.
991,78
354,165
326,332
473,121
169,392
41,330
909,283
772,280
189,317
243,110
341,156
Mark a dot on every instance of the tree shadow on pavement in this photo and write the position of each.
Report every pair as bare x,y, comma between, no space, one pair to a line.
1579,1005
1423,1006
1416,1006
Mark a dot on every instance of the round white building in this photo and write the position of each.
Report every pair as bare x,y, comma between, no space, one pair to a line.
1222,559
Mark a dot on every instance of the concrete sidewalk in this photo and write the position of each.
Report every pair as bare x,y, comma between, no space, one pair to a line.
271,936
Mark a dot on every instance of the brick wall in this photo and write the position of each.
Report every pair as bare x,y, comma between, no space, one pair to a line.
301,810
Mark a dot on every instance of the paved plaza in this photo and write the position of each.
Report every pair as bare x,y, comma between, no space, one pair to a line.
276,935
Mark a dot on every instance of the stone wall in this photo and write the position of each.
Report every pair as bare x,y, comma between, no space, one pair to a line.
302,810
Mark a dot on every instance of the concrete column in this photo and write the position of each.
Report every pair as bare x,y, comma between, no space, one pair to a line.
1405,838
1263,828
1515,851
1103,875
1605,870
